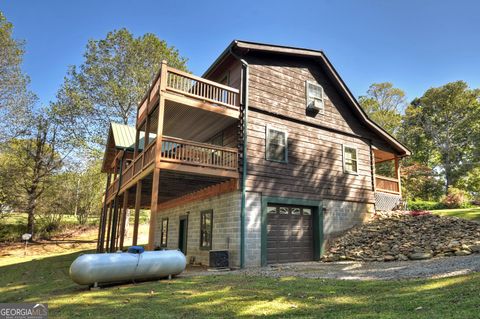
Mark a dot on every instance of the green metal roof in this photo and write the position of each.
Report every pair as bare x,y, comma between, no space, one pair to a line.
123,135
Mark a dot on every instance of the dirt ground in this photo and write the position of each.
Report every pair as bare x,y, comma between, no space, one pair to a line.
77,239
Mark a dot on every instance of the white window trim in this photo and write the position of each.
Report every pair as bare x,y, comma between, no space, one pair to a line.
345,170
269,127
307,97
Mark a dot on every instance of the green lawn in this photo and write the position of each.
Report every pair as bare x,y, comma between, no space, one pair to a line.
226,296
467,213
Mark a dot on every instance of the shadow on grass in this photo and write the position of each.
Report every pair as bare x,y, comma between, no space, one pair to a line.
226,296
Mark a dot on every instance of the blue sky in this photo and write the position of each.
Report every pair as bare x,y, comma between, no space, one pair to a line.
414,44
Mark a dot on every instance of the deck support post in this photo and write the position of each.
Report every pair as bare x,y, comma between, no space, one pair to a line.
397,174
138,203
109,226
158,155
124,218
113,236
103,219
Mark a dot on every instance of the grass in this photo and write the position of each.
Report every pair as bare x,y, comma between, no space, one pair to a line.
45,279
466,213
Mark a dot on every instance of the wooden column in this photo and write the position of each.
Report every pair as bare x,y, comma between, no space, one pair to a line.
113,235
397,174
109,226
124,218
137,139
158,153
138,203
103,219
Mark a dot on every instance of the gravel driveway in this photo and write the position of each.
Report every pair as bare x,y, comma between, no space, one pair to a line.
352,270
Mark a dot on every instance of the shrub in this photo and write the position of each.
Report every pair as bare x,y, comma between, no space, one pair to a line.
456,198
48,225
421,205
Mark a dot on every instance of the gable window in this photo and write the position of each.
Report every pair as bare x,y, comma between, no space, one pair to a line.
206,227
315,97
276,145
350,164
164,233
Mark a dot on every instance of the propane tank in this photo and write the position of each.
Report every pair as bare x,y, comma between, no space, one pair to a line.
92,269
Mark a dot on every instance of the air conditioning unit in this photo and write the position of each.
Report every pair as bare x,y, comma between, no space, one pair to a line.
218,259
316,105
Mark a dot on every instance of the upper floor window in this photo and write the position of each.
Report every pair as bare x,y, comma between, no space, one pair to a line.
276,145
315,97
350,162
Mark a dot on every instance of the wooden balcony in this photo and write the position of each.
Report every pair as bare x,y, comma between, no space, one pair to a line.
185,88
387,185
178,155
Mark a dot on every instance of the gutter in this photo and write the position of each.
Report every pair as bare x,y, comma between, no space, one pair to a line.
244,87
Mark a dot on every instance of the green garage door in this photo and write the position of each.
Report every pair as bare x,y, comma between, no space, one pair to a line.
289,234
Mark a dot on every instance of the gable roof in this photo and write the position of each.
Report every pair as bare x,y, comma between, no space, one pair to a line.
123,135
243,47
120,137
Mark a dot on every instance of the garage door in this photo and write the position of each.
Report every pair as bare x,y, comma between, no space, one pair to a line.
289,234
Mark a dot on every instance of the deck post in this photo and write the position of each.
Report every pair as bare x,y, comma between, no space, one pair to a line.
397,174
138,203
103,219
109,226
113,237
124,218
158,155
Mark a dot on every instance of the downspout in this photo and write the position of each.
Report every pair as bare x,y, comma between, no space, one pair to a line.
244,87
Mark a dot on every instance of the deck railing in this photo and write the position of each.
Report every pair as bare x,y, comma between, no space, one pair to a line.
387,184
189,152
177,150
196,87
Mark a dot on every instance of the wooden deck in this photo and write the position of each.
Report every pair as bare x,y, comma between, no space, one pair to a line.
183,87
178,155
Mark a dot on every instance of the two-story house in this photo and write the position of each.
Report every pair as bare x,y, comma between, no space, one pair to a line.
268,155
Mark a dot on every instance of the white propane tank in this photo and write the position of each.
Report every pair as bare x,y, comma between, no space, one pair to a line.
91,269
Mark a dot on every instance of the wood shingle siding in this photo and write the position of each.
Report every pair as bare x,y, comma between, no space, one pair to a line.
315,143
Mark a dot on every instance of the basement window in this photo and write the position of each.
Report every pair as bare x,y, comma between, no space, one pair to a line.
350,162
276,145
206,227
164,233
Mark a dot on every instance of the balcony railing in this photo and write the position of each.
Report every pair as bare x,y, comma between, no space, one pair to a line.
178,151
387,184
199,88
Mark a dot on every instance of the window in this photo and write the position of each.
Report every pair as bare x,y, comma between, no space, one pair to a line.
350,160
271,210
206,229
276,145
164,233
315,96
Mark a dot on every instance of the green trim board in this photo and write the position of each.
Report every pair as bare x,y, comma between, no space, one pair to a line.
317,211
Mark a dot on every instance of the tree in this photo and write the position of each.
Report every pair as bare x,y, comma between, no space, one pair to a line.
444,127
15,99
384,104
112,80
29,163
